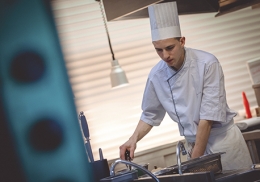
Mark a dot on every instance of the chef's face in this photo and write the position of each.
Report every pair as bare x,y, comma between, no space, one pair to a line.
171,51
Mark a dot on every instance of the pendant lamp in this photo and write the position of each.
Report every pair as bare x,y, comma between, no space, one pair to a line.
117,75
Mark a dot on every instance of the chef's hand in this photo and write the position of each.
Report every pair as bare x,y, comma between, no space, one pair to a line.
141,130
202,136
130,146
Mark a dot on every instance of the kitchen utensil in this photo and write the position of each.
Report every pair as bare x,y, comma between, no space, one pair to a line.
84,126
112,169
100,169
209,162
122,177
128,158
140,172
100,154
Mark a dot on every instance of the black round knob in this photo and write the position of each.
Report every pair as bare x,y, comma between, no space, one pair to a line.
27,67
46,135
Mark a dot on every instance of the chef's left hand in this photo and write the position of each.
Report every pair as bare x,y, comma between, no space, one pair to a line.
202,136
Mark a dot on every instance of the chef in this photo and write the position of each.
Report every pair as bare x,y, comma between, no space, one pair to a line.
188,85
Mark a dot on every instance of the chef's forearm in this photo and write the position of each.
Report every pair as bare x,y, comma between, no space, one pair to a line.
202,136
141,130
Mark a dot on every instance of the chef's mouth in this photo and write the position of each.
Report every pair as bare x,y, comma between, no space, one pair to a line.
169,61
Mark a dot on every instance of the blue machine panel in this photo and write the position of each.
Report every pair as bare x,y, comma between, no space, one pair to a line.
39,122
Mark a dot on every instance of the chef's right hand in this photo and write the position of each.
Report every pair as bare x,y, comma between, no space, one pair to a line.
130,146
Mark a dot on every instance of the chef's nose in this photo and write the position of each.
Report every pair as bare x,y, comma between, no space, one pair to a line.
165,55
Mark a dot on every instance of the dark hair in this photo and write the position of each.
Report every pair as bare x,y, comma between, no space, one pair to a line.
177,38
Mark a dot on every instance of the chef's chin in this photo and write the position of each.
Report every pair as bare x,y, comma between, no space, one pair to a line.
170,63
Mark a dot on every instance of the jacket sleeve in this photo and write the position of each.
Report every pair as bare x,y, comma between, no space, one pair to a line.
213,105
153,112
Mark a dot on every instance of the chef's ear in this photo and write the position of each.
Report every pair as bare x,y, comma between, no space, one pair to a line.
182,41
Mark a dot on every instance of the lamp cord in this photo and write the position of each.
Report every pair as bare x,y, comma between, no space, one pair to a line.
108,37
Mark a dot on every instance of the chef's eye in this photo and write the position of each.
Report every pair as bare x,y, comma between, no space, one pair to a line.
158,50
169,48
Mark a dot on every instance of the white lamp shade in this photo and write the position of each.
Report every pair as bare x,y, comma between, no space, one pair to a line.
117,75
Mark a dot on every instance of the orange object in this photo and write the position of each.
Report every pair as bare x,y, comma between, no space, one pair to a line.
246,106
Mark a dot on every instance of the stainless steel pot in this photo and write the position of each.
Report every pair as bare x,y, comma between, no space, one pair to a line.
210,162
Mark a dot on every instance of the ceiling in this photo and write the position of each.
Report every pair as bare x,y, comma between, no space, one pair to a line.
134,9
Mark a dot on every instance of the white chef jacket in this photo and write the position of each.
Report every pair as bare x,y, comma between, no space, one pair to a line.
195,92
